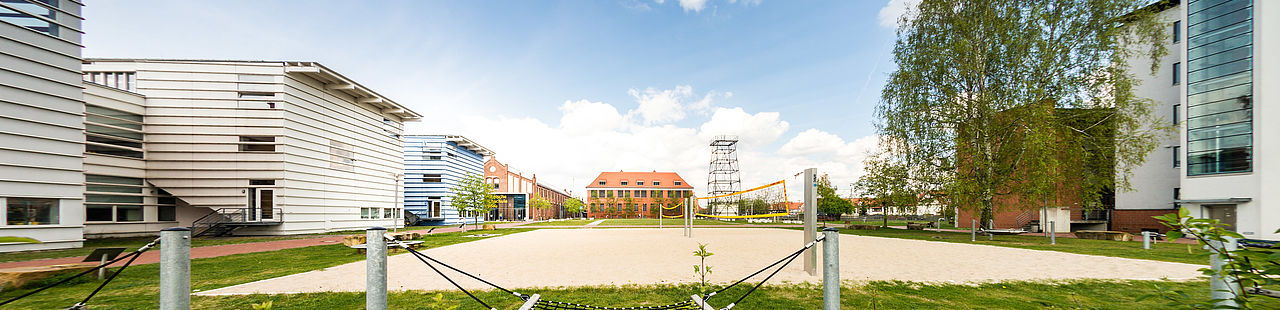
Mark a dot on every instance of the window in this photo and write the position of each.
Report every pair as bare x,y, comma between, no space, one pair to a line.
639,182
257,95
1176,109
677,182
1177,73
1219,87
655,183
624,182
369,213
29,15
432,178
643,194
342,156
593,194
636,193
389,213
1177,160
257,144
166,213
113,132
262,182
1177,31
111,198
601,182
32,211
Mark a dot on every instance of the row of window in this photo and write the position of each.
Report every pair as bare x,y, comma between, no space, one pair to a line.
604,207
121,199
112,132
638,193
639,182
30,14
1219,86
379,213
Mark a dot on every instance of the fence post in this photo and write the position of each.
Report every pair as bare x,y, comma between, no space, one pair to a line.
1146,240
375,249
1053,233
831,269
1223,288
973,231
175,268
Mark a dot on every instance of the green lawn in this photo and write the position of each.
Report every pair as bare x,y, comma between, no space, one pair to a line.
1170,252
872,295
561,223
136,288
654,222
878,223
134,243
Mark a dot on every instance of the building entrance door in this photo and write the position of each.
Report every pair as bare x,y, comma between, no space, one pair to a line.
262,203
1226,214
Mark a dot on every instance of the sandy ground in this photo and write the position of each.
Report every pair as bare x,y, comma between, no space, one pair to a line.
577,257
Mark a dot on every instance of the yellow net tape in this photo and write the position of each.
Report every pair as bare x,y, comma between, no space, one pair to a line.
783,182
673,207
742,216
674,216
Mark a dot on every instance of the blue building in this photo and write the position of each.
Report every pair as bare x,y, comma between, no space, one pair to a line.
433,165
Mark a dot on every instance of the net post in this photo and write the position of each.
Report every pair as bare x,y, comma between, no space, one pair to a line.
375,249
528,304
701,304
175,268
810,219
831,269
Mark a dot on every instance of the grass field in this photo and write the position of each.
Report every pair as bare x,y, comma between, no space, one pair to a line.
1169,252
654,222
872,295
134,243
878,223
579,222
136,287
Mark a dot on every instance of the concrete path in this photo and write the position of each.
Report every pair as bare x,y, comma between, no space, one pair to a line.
153,256
597,222
579,257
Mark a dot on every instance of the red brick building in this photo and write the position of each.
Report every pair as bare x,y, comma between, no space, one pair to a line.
518,191
635,194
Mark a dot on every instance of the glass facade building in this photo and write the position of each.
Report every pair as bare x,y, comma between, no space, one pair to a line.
1219,86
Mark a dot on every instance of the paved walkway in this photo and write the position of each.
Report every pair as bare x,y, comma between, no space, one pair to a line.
597,222
153,256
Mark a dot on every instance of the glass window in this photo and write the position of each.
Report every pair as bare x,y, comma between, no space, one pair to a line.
262,182
432,178
624,182
656,183
257,144
1219,87
601,182
166,213
677,183
1177,156
639,182
28,15
98,213
128,213
31,211
1176,107
388,213
1177,31
1177,72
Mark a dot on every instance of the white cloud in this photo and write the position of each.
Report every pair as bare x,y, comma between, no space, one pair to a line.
894,10
592,137
668,105
693,5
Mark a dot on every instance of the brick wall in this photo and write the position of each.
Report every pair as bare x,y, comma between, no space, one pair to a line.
1134,221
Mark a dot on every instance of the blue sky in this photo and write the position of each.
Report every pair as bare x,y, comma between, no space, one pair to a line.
789,76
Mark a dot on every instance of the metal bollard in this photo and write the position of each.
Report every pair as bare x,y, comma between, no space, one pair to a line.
1223,288
973,231
1146,240
175,268
375,293
831,269
1053,233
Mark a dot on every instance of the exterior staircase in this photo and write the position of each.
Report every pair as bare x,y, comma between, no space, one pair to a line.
224,221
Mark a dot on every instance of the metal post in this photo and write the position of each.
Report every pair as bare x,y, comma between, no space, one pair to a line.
175,268
831,269
1220,287
1146,240
375,249
973,231
1053,233
102,272
810,186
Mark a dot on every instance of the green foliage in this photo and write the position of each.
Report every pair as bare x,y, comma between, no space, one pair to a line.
892,185
1247,269
438,303
828,201
474,196
1007,97
8,239
573,206
701,269
540,204
266,305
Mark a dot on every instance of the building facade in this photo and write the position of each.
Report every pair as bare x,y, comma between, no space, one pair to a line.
518,191
41,124
635,194
433,165
259,147
1217,93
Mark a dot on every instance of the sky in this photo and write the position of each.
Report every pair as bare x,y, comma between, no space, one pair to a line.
568,89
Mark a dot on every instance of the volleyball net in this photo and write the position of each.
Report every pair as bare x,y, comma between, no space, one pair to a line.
765,201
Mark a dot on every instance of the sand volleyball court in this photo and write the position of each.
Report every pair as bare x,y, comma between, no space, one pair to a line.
578,257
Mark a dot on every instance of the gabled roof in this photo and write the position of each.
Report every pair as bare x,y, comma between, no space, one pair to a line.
614,180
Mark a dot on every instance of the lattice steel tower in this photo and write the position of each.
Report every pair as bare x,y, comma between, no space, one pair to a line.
722,174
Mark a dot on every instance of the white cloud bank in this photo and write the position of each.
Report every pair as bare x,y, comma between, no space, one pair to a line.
592,137
894,10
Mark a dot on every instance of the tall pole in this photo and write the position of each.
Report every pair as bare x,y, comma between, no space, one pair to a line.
1222,287
810,219
375,249
175,268
831,269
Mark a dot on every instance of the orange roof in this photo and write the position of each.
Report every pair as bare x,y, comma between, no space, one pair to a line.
639,180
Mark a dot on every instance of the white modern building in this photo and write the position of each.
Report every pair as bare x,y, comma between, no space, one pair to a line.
258,147
41,124
1223,133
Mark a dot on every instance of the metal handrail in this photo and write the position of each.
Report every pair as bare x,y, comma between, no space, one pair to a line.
233,215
